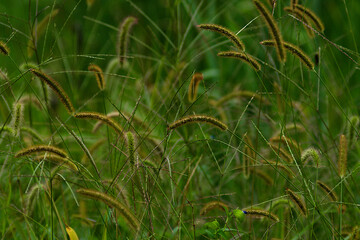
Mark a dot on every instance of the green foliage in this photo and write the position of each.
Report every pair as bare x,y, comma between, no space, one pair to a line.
162,156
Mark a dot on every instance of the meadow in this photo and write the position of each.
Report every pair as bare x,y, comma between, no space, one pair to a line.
179,119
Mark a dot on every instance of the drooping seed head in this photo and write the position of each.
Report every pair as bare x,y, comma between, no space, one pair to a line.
311,16
97,116
98,75
212,205
293,50
123,38
4,49
327,190
273,29
122,209
56,87
225,32
243,57
41,148
200,119
310,153
257,213
297,201
193,86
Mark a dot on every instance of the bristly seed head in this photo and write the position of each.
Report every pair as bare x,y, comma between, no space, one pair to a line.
242,56
342,156
56,87
225,32
273,28
98,75
198,118
4,49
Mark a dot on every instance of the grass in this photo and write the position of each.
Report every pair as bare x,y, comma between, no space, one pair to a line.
272,174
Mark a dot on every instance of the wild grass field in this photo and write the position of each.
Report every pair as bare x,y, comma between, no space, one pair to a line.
183,119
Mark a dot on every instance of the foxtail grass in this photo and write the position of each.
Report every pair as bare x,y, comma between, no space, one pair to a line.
105,119
58,160
131,148
123,38
225,32
293,50
213,205
41,148
257,213
310,153
193,86
296,199
198,119
4,49
18,118
343,149
122,209
243,57
98,75
312,17
273,29
327,190
300,15
56,87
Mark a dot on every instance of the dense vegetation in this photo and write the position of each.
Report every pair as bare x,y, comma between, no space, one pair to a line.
179,119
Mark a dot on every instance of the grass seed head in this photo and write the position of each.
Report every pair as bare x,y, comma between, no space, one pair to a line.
199,119
243,57
98,75
273,28
297,201
193,86
225,32
4,49
342,163
123,38
55,87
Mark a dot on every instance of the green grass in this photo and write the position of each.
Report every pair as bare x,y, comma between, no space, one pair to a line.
192,181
